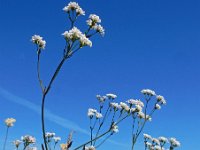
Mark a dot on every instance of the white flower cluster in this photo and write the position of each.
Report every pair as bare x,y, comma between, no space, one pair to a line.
161,99
115,128
90,147
49,134
28,139
94,23
73,6
174,143
16,143
107,96
38,40
101,98
93,112
115,106
75,34
56,139
159,143
10,122
148,92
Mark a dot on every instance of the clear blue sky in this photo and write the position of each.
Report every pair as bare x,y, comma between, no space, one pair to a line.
148,44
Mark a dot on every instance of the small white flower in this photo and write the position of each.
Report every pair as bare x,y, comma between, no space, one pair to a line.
147,136
156,141
90,147
99,29
111,96
157,147
80,11
38,40
101,98
135,102
148,92
56,139
84,41
141,115
99,115
115,128
124,106
17,143
74,6
28,139
95,18
10,122
91,112
148,145
138,108
148,118
75,34
116,106
163,139
174,142
157,106
161,99
49,134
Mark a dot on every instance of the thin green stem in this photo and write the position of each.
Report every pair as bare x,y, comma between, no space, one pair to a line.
6,137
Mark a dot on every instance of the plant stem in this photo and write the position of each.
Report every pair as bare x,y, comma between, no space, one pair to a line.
4,146
96,138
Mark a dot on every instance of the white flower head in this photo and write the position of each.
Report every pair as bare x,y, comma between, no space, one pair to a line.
94,18
125,106
56,139
115,128
157,147
84,41
90,147
49,134
141,115
75,34
149,145
138,108
101,98
115,106
161,99
111,96
91,112
135,102
99,29
38,40
73,6
157,106
156,141
163,139
10,122
174,142
148,92
98,115
17,143
147,136
28,139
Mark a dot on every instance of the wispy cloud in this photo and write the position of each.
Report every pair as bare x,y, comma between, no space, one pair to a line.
48,114
36,108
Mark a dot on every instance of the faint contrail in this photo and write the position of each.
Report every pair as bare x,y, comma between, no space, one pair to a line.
48,115
36,108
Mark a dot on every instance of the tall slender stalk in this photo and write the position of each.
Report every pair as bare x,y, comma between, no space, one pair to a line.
4,145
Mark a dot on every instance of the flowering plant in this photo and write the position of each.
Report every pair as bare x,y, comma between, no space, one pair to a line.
106,118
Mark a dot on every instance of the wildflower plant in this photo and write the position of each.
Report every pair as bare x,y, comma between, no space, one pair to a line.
112,114
104,121
160,143
9,122
75,40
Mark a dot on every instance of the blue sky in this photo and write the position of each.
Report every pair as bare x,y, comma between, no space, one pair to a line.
148,44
